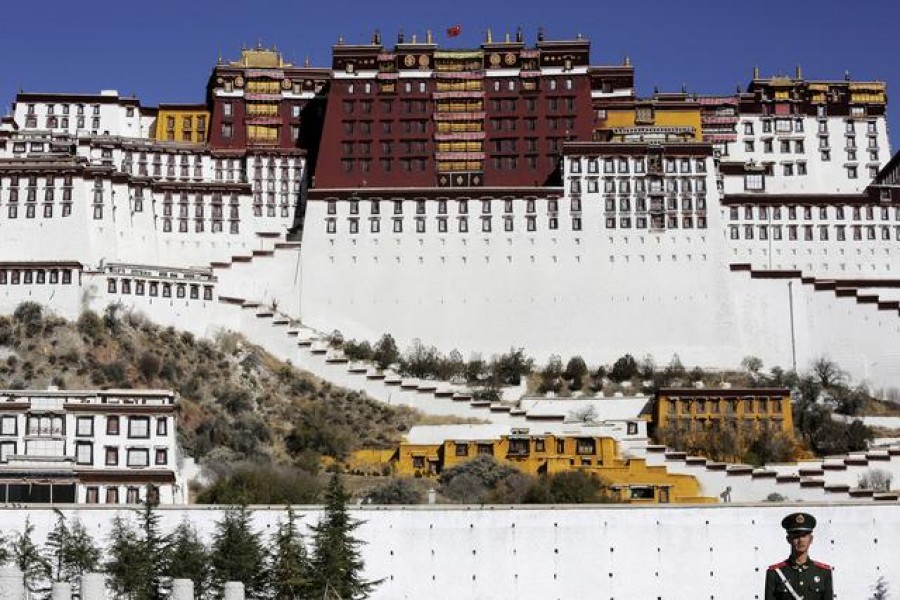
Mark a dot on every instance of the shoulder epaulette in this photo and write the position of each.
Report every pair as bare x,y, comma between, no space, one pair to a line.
822,565
783,563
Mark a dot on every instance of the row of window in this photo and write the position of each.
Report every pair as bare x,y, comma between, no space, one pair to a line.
796,125
31,210
31,194
62,122
267,133
35,180
761,405
858,232
462,206
655,204
638,165
639,185
65,109
134,457
655,222
506,85
153,288
234,227
763,213
55,425
111,495
228,108
575,205
39,276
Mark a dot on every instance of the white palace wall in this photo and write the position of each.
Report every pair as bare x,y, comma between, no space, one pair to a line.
622,553
592,291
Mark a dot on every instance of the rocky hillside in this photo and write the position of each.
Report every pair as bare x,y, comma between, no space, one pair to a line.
237,403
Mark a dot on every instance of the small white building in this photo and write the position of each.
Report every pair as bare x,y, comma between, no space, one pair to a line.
89,447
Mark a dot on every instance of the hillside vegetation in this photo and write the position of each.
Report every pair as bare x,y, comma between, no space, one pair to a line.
238,404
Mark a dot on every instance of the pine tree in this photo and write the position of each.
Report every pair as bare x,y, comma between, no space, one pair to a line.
57,541
880,590
152,544
138,558
4,553
124,552
70,551
82,554
289,571
189,558
336,562
27,556
237,553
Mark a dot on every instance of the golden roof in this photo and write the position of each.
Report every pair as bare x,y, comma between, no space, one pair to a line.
261,58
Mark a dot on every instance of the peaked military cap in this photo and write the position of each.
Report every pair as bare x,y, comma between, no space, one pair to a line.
799,523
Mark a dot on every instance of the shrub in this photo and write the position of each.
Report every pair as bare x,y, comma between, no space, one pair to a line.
386,352
509,368
576,369
396,491
623,369
149,365
258,484
358,350
877,480
567,487
31,316
475,480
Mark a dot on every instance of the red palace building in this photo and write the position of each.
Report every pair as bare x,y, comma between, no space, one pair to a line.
418,116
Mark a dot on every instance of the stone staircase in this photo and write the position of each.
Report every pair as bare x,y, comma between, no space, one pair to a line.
832,479
309,349
888,298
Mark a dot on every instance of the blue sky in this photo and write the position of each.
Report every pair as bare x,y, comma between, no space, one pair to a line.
163,50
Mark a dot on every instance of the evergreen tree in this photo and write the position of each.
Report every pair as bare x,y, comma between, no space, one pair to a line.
289,571
138,558
82,554
124,553
4,553
153,556
57,540
237,553
70,551
189,558
336,562
27,556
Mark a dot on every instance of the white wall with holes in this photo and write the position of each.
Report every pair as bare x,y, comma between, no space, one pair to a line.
620,553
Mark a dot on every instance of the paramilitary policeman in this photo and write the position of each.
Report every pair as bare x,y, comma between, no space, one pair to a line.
799,577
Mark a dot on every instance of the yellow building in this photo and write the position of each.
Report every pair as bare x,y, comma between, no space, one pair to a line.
182,123
691,410
427,451
674,116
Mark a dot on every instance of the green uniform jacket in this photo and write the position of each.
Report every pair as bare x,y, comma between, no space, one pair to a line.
811,581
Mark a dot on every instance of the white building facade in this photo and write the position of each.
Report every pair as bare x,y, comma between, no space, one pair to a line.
89,447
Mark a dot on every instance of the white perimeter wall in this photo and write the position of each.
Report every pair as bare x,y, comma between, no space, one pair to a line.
620,553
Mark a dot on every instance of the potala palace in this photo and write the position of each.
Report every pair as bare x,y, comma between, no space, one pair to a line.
509,195
506,195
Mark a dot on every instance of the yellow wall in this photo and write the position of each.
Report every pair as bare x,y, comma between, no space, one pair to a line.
662,117
182,125
554,454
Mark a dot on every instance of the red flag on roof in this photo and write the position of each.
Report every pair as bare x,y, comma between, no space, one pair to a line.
454,31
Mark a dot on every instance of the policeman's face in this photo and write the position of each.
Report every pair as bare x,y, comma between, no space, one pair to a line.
800,542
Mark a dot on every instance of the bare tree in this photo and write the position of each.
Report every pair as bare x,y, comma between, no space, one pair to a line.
827,372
